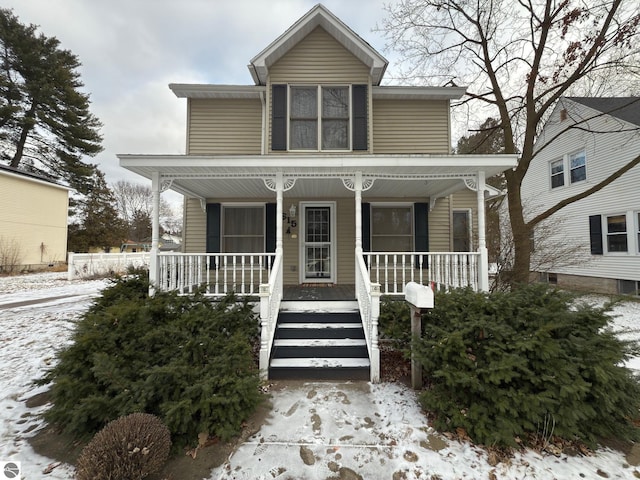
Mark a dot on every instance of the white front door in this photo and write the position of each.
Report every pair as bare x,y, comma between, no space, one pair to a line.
318,242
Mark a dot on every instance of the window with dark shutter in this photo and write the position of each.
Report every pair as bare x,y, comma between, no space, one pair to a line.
421,229
595,234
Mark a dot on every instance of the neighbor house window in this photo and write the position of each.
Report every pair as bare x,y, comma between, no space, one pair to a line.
616,233
557,173
243,229
638,231
569,169
391,228
578,167
319,115
461,226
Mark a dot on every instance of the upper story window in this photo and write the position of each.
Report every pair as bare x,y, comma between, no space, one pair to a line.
319,116
568,170
578,167
557,173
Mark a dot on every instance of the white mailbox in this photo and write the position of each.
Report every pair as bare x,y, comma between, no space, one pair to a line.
418,295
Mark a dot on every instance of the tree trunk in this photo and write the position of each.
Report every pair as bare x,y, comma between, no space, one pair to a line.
520,230
29,122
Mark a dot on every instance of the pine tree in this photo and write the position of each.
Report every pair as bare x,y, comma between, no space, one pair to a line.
45,123
98,224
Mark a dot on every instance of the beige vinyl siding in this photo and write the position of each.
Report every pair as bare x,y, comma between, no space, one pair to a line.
224,126
440,226
34,215
319,58
411,126
195,227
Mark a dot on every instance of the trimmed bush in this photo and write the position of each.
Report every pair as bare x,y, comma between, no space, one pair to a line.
394,322
128,448
506,365
185,359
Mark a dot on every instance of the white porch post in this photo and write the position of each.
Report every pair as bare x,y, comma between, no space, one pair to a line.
155,233
358,192
279,190
265,292
483,263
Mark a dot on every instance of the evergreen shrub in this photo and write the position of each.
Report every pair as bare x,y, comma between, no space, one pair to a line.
394,322
183,358
505,366
130,447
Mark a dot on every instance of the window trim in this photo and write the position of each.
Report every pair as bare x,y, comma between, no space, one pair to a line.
410,205
225,206
469,214
605,233
565,175
319,87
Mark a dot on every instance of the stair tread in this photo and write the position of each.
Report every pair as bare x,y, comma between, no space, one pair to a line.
319,362
319,342
317,326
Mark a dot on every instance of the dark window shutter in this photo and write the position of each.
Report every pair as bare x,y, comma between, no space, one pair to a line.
421,231
213,229
279,117
366,227
595,234
270,227
359,93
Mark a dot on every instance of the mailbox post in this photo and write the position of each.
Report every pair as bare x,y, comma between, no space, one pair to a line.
420,299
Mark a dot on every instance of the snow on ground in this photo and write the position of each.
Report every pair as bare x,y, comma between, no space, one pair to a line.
315,430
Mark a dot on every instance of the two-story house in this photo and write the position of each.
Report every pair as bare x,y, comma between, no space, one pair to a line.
318,182
584,141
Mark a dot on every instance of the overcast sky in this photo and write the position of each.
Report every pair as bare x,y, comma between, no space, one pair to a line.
132,49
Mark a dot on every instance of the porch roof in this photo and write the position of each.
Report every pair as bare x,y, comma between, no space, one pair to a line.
316,176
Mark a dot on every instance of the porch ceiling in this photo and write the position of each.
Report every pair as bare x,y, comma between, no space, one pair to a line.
316,176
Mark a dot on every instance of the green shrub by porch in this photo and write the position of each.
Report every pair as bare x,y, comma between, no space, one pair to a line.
505,365
185,359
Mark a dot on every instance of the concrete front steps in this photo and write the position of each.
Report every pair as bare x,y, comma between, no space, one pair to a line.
319,341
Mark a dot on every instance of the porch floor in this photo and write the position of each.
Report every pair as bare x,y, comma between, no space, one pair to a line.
319,292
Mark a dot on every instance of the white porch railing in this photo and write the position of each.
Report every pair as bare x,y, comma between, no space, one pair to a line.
368,296
393,270
218,273
270,298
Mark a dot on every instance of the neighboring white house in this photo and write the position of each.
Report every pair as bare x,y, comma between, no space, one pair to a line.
584,141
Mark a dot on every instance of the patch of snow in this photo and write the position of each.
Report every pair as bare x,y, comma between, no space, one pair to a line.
314,429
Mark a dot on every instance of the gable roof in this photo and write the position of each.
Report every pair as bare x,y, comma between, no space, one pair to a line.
624,108
318,16
29,176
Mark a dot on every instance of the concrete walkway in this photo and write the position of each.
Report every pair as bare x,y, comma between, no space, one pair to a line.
353,430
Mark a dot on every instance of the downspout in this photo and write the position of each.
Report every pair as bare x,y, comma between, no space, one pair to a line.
483,263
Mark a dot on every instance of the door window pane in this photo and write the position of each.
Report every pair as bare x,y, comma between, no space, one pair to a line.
617,233
391,229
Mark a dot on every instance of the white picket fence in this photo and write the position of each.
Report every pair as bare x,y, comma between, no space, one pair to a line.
88,265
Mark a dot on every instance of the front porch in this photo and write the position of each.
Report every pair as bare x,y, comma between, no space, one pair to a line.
333,243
